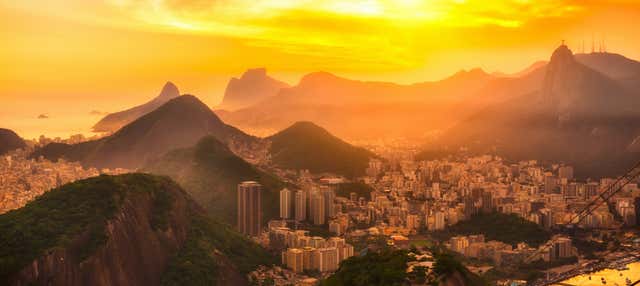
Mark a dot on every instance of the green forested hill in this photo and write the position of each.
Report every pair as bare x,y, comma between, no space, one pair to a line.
130,229
508,228
210,172
305,145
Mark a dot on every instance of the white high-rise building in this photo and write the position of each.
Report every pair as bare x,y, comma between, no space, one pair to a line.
329,197
301,205
250,208
286,202
318,209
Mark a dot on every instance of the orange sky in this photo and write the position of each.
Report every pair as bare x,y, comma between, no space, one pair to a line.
75,56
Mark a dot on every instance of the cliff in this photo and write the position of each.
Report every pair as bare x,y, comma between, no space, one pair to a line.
131,229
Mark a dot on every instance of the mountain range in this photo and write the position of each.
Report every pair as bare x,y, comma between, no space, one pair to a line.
9,141
114,121
540,113
179,123
345,106
584,115
387,109
132,229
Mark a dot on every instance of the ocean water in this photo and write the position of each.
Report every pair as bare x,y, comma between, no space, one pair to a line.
612,277
29,126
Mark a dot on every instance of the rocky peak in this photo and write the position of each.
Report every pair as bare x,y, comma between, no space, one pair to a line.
252,87
254,74
562,56
560,69
169,90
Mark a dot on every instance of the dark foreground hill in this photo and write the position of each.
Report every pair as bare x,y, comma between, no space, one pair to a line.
114,121
507,228
305,145
179,123
132,229
9,140
389,267
210,172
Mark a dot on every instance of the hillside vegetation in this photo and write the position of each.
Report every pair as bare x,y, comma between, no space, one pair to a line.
305,145
179,123
508,228
210,172
57,217
9,141
375,268
129,229
198,262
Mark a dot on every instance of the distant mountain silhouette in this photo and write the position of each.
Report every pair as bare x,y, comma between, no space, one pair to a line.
132,229
179,123
623,70
252,87
533,67
578,116
346,106
573,89
114,121
210,172
9,141
305,145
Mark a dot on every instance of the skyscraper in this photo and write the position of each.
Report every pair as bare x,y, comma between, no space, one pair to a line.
329,197
565,172
487,201
301,205
311,192
286,199
318,208
550,183
249,208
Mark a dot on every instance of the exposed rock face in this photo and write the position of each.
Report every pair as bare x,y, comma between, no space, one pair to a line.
573,89
9,140
114,121
132,229
252,87
134,254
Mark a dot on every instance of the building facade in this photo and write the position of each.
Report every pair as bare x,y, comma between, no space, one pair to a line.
249,208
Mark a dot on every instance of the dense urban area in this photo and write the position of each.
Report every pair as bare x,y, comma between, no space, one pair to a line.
507,222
